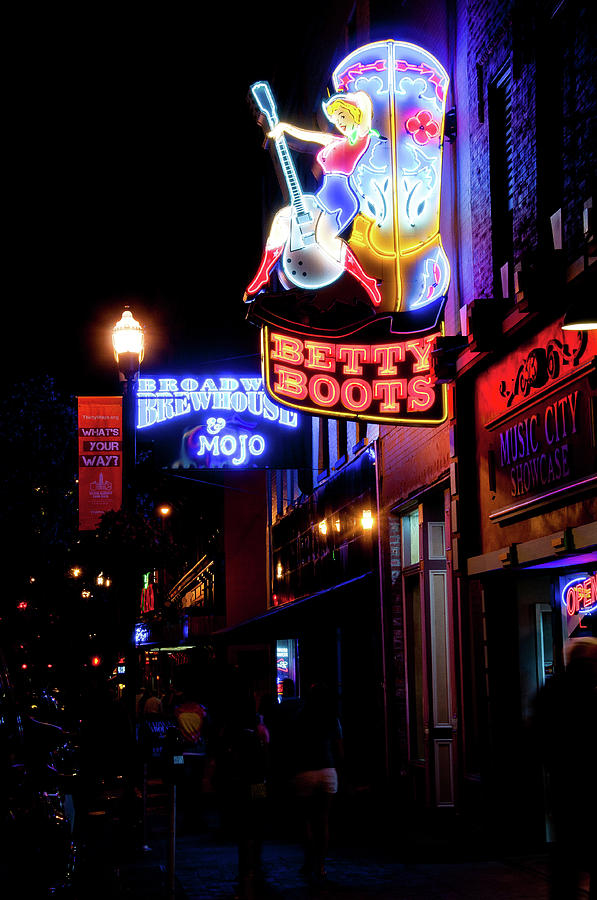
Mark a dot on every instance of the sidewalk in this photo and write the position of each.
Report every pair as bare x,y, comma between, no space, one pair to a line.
206,870
366,860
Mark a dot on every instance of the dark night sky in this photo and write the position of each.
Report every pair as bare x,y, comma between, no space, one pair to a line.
133,175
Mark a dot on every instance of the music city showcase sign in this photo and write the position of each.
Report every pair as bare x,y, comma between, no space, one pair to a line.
217,422
353,279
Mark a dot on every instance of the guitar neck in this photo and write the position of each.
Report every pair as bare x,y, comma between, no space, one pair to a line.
292,181
264,98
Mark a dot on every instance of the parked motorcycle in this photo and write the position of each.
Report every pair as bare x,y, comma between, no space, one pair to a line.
39,778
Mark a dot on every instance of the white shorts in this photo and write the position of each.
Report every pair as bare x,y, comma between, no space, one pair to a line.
316,781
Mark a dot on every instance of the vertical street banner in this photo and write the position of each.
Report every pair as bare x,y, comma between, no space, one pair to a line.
100,458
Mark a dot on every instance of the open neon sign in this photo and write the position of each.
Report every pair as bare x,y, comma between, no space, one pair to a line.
580,595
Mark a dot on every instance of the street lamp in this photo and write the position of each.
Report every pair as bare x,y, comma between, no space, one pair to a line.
128,341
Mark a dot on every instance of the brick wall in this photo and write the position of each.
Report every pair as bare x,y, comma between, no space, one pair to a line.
579,108
519,35
412,458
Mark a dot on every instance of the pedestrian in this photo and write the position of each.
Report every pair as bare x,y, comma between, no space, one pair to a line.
170,699
192,724
281,724
316,756
151,705
242,769
566,733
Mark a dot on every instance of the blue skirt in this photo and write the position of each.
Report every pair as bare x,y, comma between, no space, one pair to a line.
338,201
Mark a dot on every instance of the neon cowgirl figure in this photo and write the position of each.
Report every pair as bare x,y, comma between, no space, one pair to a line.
351,114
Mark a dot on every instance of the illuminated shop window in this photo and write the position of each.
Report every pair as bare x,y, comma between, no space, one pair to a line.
286,665
410,538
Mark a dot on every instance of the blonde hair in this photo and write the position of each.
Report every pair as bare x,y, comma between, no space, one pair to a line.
339,103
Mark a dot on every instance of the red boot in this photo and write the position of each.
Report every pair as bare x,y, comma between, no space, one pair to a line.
352,265
270,257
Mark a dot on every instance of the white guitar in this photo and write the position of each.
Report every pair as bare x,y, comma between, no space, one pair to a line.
305,263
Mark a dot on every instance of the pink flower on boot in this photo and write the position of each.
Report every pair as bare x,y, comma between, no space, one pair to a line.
422,127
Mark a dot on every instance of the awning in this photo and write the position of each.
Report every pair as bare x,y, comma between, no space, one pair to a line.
572,547
290,618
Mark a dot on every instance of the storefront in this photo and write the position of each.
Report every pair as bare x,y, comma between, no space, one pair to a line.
422,602
531,586
324,621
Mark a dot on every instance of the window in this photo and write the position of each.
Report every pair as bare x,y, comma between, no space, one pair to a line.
416,686
437,540
501,163
323,463
286,665
342,438
279,492
410,538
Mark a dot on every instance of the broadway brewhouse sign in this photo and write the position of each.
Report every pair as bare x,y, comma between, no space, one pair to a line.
351,286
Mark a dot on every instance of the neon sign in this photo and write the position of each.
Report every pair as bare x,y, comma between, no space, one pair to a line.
361,260
162,399
579,596
142,634
147,594
217,422
380,382
237,447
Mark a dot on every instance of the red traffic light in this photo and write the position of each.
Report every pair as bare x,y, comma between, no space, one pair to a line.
96,660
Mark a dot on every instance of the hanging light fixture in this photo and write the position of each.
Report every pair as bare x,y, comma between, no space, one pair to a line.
581,315
367,520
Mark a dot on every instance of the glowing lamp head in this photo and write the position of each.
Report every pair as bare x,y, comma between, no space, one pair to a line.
164,510
367,520
581,316
128,337
323,527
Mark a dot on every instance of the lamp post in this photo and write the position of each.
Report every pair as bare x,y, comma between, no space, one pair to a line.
128,344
